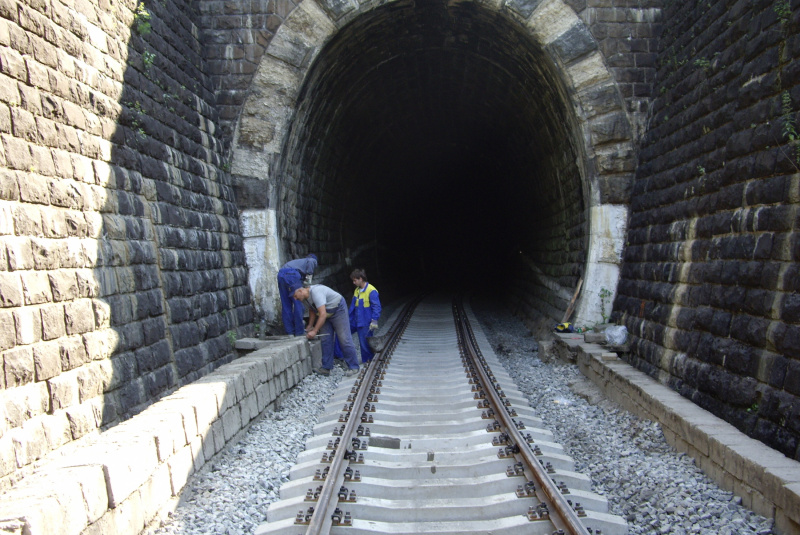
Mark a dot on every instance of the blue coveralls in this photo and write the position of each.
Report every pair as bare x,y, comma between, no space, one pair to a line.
290,278
364,309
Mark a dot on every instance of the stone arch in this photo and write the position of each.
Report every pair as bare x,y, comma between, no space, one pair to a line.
601,129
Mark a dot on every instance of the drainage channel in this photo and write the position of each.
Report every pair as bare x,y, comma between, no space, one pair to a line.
428,455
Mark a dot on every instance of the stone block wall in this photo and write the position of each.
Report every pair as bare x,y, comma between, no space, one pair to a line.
235,35
767,482
121,262
125,478
627,35
710,280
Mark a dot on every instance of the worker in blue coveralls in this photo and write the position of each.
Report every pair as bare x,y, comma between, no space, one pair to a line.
365,311
327,314
293,275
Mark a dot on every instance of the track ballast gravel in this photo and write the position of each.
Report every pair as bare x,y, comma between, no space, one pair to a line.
657,490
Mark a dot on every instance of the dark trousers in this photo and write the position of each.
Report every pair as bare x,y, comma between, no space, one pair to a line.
291,310
366,352
339,323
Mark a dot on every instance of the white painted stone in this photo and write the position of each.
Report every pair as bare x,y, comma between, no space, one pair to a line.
551,19
608,224
261,246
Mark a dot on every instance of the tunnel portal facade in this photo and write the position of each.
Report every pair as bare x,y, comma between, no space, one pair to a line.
161,160
438,143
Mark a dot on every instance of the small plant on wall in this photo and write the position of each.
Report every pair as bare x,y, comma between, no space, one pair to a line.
784,11
141,20
604,294
231,336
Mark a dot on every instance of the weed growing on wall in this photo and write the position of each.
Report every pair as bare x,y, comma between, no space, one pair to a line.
148,58
231,336
604,294
784,11
789,126
141,20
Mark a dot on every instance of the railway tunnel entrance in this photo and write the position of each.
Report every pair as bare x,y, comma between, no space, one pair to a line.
435,145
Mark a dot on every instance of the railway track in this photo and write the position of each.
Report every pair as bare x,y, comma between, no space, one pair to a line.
433,437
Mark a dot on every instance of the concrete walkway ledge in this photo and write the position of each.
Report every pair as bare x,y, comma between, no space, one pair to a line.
767,481
123,478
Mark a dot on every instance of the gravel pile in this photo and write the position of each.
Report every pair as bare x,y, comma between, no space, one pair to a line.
655,489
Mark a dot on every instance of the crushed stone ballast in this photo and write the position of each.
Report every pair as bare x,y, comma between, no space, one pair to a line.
429,440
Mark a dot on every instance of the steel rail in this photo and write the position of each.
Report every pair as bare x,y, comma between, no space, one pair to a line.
320,521
553,497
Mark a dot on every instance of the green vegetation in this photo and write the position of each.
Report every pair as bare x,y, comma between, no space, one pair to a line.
231,336
148,58
604,294
789,126
136,124
141,20
784,11
787,117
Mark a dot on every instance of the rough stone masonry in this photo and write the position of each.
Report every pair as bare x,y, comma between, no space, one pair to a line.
160,159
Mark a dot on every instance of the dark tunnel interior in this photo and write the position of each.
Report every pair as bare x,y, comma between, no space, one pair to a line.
442,135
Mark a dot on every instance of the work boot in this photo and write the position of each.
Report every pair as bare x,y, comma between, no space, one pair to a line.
351,372
322,371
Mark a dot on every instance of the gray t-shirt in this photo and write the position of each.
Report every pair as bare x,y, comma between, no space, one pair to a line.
321,295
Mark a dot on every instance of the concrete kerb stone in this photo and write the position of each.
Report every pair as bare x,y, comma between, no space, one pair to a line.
228,386
790,497
132,473
156,491
767,481
42,514
73,498
181,407
204,408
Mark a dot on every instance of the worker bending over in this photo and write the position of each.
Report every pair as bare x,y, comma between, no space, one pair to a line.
327,313
293,275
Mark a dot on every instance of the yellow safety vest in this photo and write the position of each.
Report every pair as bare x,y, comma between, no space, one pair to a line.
364,296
